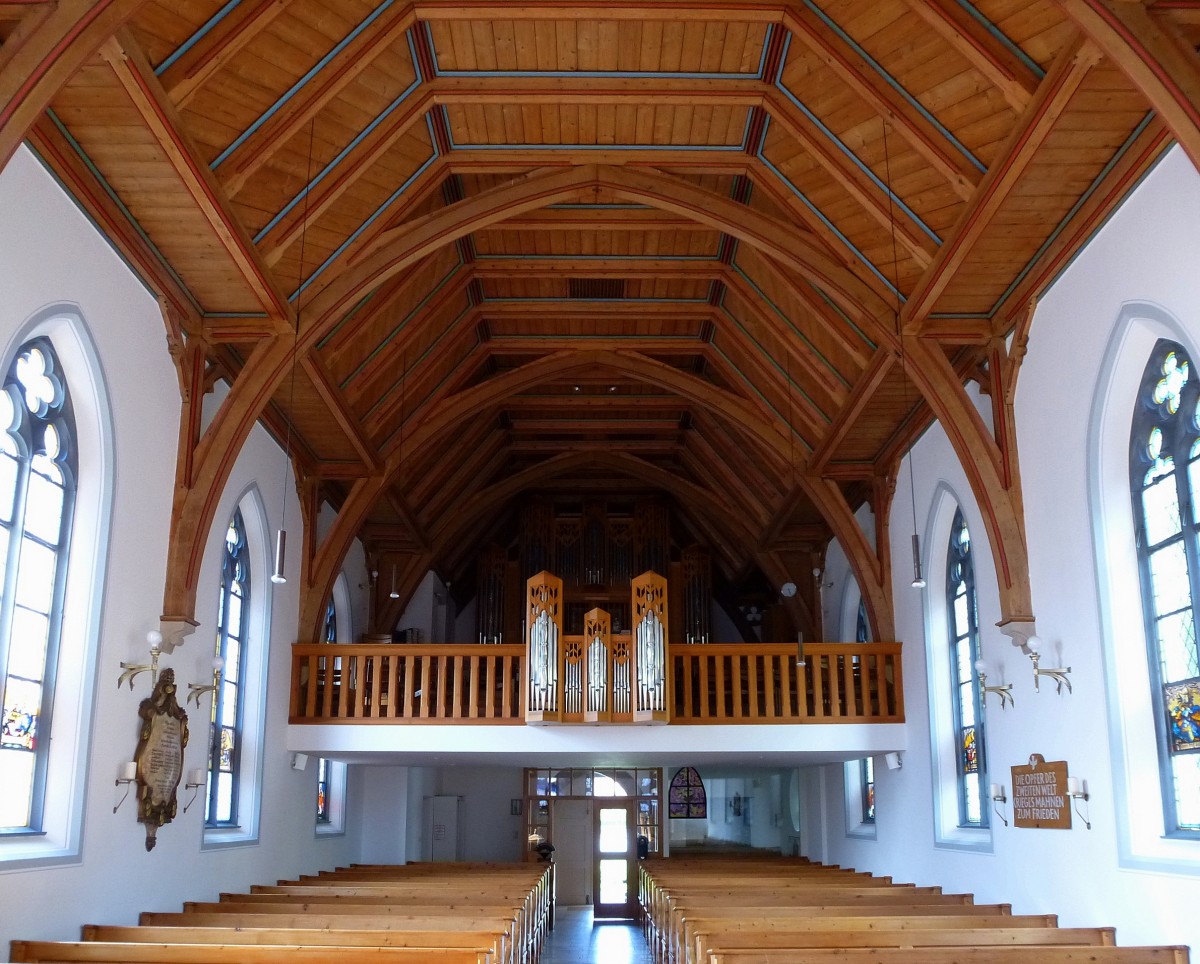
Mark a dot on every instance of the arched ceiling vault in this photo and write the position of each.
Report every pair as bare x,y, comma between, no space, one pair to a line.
736,254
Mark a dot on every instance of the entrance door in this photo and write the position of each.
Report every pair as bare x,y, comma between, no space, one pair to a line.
615,886
571,833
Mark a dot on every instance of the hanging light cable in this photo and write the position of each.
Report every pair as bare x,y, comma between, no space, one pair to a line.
918,581
278,577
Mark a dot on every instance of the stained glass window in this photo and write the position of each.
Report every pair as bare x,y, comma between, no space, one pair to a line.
862,630
1164,460
686,797
867,775
37,487
232,619
323,815
964,651
331,623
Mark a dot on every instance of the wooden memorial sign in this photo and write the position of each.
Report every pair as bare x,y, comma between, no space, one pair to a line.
159,756
1039,795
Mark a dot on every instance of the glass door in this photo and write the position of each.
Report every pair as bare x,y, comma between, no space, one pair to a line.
615,885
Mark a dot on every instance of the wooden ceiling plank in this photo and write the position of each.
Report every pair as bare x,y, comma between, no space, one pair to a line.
335,403
236,168
1011,75
767,479
719,11
649,344
401,507
1154,55
591,426
456,460
322,196
1056,90
115,220
47,48
600,219
713,461
852,180
189,71
133,72
849,414
501,267
501,160
857,74
662,91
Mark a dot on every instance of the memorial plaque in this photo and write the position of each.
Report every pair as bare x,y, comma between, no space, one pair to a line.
1039,795
159,755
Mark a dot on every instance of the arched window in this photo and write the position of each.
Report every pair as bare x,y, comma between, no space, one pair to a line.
323,813
1164,480
232,619
686,798
38,466
862,629
331,622
964,651
867,776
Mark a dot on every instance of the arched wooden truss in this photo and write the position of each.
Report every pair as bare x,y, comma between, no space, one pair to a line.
737,253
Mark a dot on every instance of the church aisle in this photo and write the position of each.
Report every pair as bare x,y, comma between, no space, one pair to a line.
576,940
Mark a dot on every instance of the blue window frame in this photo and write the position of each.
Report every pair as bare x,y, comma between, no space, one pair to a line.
964,651
233,609
37,494
1164,478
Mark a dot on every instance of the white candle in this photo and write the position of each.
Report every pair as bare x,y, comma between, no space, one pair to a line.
128,771
1074,786
996,791
197,776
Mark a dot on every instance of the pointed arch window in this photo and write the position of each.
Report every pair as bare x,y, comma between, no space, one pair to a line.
38,466
1164,480
686,797
964,651
331,622
323,810
233,609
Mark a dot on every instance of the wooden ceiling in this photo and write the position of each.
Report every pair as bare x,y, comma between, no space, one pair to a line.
621,248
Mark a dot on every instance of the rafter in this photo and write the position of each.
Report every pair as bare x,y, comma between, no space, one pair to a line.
1055,92
852,410
147,96
328,393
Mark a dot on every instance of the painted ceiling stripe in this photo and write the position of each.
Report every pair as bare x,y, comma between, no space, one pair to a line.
453,371
766,49
358,305
309,75
854,158
1004,39
895,84
775,364
1112,162
195,38
766,300
112,196
766,401
837,309
832,227
402,324
341,155
388,202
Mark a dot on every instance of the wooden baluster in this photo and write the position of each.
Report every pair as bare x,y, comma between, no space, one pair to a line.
333,681
853,697
735,685
771,686
441,705
752,688
410,680
705,711
818,678
721,690
458,691
829,664
507,707
477,668
310,698
393,688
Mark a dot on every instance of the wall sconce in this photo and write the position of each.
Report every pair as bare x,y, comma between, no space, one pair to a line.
893,761
996,792
1058,674
1004,690
127,775
197,690
131,670
195,780
1077,790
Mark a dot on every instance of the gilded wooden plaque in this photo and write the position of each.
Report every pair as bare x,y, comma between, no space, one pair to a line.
159,756
1039,795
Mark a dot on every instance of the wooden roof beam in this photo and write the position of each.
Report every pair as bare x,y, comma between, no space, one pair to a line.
599,219
1061,83
1011,75
342,416
48,46
718,11
755,472
589,426
1154,55
713,462
614,267
299,110
648,344
858,402
133,72
193,68
480,442
851,179
650,446
924,137
402,509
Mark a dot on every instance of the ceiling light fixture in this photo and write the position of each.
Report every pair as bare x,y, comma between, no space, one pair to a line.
918,581
278,577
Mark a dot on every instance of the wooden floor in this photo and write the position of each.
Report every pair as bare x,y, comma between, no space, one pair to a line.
576,940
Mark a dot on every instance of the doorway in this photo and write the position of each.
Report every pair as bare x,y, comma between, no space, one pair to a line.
572,829
614,878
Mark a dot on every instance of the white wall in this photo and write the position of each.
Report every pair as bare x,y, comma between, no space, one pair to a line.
49,254
1148,253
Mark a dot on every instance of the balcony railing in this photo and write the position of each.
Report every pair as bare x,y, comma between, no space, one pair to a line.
709,683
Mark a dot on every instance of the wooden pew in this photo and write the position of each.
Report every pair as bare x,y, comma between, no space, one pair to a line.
105,952
958,955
